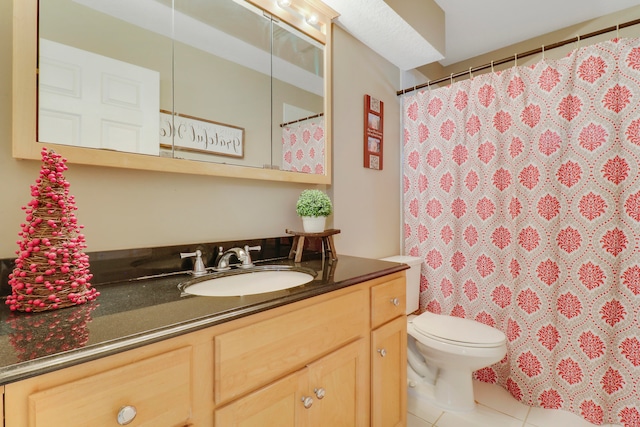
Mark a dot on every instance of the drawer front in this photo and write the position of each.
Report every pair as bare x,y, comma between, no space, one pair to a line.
252,356
388,301
159,388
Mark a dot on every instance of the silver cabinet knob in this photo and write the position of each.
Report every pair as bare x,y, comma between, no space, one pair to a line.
320,392
395,301
307,402
126,415
382,352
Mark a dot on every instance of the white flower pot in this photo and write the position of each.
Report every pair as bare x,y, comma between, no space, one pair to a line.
313,224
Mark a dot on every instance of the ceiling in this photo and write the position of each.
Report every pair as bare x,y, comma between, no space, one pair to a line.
473,27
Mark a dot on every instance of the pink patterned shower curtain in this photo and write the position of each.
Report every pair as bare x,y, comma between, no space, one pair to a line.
303,146
522,194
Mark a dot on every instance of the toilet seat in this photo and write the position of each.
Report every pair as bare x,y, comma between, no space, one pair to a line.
457,331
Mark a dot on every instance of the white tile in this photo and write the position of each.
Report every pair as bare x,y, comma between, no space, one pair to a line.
482,416
592,425
496,408
498,398
540,417
413,421
419,405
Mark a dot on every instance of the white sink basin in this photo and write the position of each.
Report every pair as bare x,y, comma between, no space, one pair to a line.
258,280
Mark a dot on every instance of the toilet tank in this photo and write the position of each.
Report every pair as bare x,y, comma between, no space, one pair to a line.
413,279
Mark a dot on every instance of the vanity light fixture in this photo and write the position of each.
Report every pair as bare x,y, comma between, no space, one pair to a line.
313,19
284,3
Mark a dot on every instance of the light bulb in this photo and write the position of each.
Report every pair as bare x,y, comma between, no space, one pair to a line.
284,3
312,19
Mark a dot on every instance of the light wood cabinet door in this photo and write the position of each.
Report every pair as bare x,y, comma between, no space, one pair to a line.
339,385
279,404
389,374
332,391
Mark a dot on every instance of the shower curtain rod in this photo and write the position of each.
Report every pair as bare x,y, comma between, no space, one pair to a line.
300,120
519,55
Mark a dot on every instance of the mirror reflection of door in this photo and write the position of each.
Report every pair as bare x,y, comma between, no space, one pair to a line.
90,100
108,67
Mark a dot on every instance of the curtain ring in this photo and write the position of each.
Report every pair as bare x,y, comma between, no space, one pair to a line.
618,31
578,42
451,78
515,60
429,85
492,70
543,52
470,73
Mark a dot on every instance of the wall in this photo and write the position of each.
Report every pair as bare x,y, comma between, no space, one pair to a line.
367,201
127,208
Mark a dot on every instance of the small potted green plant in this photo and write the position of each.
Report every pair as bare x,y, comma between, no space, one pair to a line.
314,206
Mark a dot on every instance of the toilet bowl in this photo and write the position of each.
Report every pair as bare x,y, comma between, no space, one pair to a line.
443,351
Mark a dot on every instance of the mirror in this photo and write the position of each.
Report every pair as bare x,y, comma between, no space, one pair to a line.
216,87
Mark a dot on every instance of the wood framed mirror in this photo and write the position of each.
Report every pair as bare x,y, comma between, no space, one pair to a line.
179,95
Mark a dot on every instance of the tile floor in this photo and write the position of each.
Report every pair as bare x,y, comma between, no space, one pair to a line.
495,408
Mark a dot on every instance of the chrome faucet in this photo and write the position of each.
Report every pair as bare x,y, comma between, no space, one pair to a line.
242,254
198,265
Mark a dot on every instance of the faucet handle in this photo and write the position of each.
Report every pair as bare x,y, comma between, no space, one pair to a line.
220,253
198,266
247,262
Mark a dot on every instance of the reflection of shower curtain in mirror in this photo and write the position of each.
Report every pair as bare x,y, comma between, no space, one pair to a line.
522,195
303,146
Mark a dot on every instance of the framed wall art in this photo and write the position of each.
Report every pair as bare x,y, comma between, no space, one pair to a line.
373,129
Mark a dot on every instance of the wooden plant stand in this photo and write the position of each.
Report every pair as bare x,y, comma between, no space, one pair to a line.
298,243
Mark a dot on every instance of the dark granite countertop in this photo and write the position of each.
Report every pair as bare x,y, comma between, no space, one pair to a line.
134,312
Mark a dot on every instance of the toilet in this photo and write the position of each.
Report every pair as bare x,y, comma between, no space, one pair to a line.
443,351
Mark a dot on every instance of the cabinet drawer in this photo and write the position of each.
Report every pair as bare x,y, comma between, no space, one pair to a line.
252,356
388,301
159,388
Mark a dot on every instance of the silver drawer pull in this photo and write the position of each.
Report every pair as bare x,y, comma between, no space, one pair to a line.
307,402
382,352
320,392
395,301
126,415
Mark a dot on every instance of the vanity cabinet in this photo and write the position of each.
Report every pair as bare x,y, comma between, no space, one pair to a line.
258,353
328,392
324,349
389,354
152,391
314,362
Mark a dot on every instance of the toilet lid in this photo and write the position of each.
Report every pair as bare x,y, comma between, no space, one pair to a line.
458,331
